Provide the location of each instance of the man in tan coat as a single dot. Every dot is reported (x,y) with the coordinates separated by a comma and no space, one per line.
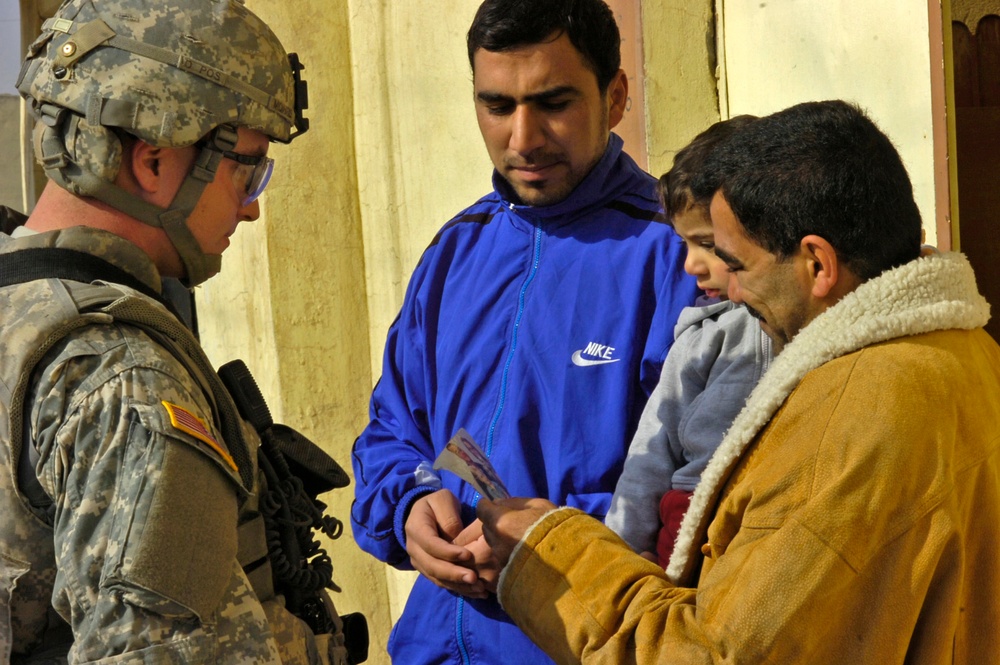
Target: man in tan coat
(852,513)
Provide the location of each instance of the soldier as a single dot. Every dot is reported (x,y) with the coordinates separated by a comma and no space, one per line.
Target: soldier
(130,483)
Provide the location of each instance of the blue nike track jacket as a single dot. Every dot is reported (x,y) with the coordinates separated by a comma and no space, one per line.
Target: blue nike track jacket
(541,331)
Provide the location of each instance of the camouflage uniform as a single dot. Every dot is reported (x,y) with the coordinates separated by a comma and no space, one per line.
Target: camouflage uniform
(146,549)
(141,557)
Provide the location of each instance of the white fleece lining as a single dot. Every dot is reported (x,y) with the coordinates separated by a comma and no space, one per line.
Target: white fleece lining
(932,293)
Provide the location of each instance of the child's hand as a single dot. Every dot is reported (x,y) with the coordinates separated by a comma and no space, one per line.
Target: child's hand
(649,556)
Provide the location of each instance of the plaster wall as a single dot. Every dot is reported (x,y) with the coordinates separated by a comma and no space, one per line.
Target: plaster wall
(291,299)
(420,158)
(779,53)
(680,75)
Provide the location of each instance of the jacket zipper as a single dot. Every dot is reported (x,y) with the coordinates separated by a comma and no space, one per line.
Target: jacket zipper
(537,251)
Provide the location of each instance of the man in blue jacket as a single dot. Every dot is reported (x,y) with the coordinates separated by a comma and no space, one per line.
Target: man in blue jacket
(538,320)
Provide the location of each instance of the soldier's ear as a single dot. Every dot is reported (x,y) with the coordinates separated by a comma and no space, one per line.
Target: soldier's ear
(156,174)
(145,166)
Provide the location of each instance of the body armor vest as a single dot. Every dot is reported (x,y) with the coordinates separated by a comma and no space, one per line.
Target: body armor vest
(27,561)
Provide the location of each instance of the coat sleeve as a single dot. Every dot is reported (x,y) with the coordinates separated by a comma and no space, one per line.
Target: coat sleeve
(392,457)
(579,592)
(134,489)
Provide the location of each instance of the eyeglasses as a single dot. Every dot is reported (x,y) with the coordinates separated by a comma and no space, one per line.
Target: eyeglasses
(252,174)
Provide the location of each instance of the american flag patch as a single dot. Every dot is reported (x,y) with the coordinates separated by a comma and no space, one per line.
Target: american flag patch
(189,423)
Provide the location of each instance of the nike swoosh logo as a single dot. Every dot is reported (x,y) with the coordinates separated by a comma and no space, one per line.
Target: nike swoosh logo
(580,361)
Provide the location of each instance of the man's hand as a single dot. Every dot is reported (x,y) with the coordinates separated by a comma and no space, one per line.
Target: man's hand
(505,521)
(433,525)
(486,565)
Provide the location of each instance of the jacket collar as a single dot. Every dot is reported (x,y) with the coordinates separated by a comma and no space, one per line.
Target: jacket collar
(104,245)
(932,293)
(600,186)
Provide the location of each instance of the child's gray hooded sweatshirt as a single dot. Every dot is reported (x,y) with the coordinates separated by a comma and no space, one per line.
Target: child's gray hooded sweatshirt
(719,355)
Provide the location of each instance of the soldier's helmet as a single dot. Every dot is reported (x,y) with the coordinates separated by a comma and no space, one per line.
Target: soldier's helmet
(170,72)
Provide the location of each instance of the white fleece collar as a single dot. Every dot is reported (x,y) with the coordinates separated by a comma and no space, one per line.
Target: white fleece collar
(936,292)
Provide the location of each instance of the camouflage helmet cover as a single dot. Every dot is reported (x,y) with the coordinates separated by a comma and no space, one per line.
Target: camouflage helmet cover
(170,72)
(165,71)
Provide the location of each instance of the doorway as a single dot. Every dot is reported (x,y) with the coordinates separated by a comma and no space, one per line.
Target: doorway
(976,46)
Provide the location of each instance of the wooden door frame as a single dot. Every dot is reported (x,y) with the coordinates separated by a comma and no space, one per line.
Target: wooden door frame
(943,125)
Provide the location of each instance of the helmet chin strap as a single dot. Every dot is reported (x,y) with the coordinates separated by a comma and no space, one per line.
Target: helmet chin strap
(198,266)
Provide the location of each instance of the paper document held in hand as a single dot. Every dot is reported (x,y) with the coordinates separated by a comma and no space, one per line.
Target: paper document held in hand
(463,457)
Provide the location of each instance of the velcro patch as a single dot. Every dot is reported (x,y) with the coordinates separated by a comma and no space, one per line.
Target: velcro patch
(191,424)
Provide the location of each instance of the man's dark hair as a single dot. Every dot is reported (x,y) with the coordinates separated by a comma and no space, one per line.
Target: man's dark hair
(820,168)
(502,25)
(674,186)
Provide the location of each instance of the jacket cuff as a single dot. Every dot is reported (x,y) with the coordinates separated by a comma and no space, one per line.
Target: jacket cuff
(403,511)
(535,533)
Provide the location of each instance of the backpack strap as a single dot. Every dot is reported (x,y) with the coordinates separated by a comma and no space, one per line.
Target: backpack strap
(28,265)
(65,264)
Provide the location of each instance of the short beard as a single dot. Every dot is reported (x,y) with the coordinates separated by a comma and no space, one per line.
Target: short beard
(754,313)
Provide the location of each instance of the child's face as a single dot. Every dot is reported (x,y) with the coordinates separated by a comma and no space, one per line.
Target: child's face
(694,226)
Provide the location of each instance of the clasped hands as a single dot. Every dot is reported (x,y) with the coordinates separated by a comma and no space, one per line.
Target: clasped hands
(467,559)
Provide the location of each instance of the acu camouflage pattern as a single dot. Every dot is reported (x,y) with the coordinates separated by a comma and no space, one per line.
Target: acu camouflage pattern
(142,559)
(225,67)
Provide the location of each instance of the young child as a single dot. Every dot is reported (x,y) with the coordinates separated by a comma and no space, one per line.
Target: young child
(719,354)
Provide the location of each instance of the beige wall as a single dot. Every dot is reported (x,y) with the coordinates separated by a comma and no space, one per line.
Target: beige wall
(680,72)
(420,158)
(873,53)
(292,300)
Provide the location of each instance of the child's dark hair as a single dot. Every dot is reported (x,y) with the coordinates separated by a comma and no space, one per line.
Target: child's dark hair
(674,187)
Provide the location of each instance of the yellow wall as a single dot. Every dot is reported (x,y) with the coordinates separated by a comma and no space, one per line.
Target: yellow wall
(873,53)
(681,91)
(420,158)
(291,300)
(10,144)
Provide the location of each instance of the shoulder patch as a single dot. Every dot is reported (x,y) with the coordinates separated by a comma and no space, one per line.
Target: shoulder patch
(191,424)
